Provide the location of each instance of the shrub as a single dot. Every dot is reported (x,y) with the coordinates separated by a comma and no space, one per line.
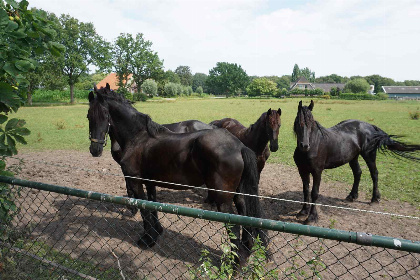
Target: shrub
(139,96)
(199,90)
(261,86)
(171,89)
(415,115)
(359,96)
(149,87)
(357,85)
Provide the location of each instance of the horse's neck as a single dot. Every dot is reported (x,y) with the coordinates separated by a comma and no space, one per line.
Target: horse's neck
(124,124)
(257,137)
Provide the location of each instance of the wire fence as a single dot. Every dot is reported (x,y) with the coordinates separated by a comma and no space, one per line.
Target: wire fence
(63,233)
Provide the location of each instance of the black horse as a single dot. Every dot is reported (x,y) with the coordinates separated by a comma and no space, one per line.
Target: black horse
(256,137)
(320,148)
(148,150)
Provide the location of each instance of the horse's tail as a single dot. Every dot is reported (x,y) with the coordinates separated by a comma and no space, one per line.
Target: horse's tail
(388,144)
(249,185)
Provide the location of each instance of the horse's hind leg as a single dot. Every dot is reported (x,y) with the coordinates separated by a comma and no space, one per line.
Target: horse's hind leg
(247,239)
(357,173)
(156,226)
(371,163)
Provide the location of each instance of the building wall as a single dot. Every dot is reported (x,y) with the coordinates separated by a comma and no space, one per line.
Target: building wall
(404,95)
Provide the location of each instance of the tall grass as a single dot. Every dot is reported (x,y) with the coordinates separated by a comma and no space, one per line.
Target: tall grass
(66,127)
(42,95)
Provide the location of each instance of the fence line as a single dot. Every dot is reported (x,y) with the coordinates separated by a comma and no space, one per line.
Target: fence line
(313,231)
(204,188)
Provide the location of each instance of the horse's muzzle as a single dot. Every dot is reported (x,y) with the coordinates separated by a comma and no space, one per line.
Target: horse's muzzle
(274,146)
(304,147)
(96,149)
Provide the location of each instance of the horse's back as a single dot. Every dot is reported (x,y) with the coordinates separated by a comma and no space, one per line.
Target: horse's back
(232,125)
(188,126)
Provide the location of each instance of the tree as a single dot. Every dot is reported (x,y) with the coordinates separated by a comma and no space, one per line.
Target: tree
(296,73)
(172,89)
(379,81)
(135,56)
(284,82)
(227,78)
(184,74)
(21,32)
(261,86)
(199,80)
(172,77)
(358,85)
(332,79)
(84,47)
(308,74)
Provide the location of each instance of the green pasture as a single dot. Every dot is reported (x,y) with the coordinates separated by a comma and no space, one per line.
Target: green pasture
(66,128)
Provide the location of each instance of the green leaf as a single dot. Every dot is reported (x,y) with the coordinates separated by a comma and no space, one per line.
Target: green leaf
(2,165)
(11,26)
(22,131)
(24,65)
(11,124)
(18,34)
(13,3)
(3,118)
(4,17)
(11,69)
(20,139)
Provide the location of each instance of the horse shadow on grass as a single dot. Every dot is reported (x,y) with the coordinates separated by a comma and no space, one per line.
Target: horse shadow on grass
(286,211)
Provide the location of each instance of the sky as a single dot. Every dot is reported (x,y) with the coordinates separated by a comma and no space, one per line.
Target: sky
(265,37)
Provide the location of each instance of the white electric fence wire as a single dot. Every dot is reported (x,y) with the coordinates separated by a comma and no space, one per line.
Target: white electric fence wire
(205,188)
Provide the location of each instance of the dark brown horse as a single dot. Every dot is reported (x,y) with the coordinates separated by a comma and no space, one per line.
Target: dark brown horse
(148,150)
(257,135)
(320,148)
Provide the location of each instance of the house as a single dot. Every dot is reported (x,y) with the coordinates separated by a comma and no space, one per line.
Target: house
(112,80)
(406,92)
(303,83)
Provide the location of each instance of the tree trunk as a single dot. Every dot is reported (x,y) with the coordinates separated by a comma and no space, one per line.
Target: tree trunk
(71,93)
(29,100)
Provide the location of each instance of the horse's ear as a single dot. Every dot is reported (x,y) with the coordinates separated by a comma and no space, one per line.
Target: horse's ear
(269,112)
(107,86)
(95,89)
(279,112)
(91,96)
(300,105)
(311,106)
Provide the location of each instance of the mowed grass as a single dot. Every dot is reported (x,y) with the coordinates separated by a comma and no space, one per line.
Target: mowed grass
(66,128)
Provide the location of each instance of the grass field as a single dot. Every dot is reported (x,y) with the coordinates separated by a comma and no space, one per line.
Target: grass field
(66,127)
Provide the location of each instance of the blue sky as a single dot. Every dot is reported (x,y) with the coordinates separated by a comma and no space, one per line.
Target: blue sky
(344,37)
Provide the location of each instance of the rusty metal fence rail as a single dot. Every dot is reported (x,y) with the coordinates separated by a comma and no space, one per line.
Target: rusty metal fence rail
(65,233)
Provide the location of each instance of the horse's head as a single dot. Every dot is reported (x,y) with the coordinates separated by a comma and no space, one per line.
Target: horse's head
(273,123)
(99,119)
(304,123)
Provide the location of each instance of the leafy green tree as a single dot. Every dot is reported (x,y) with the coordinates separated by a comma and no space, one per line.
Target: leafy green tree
(149,87)
(171,76)
(296,73)
(133,55)
(227,78)
(358,85)
(284,82)
(332,79)
(84,47)
(21,32)
(308,74)
(261,86)
(171,89)
(199,80)
(379,81)
(184,74)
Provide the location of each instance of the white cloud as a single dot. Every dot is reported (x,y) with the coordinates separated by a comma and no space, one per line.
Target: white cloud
(343,37)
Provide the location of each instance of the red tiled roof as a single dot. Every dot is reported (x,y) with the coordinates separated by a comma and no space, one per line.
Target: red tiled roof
(112,80)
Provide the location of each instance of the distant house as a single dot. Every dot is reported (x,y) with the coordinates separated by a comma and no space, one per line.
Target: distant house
(408,92)
(303,83)
(112,80)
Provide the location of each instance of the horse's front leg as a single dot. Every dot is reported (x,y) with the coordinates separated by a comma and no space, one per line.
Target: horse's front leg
(313,214)
(148,239)
(304,175)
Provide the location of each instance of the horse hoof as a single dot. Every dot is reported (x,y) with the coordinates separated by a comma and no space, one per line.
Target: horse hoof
(374,201)
(301,215)
(159,229)
(146,241)
(351,198)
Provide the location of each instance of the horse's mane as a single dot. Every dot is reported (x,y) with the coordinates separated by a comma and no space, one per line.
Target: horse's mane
(260,120)
(152,127)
